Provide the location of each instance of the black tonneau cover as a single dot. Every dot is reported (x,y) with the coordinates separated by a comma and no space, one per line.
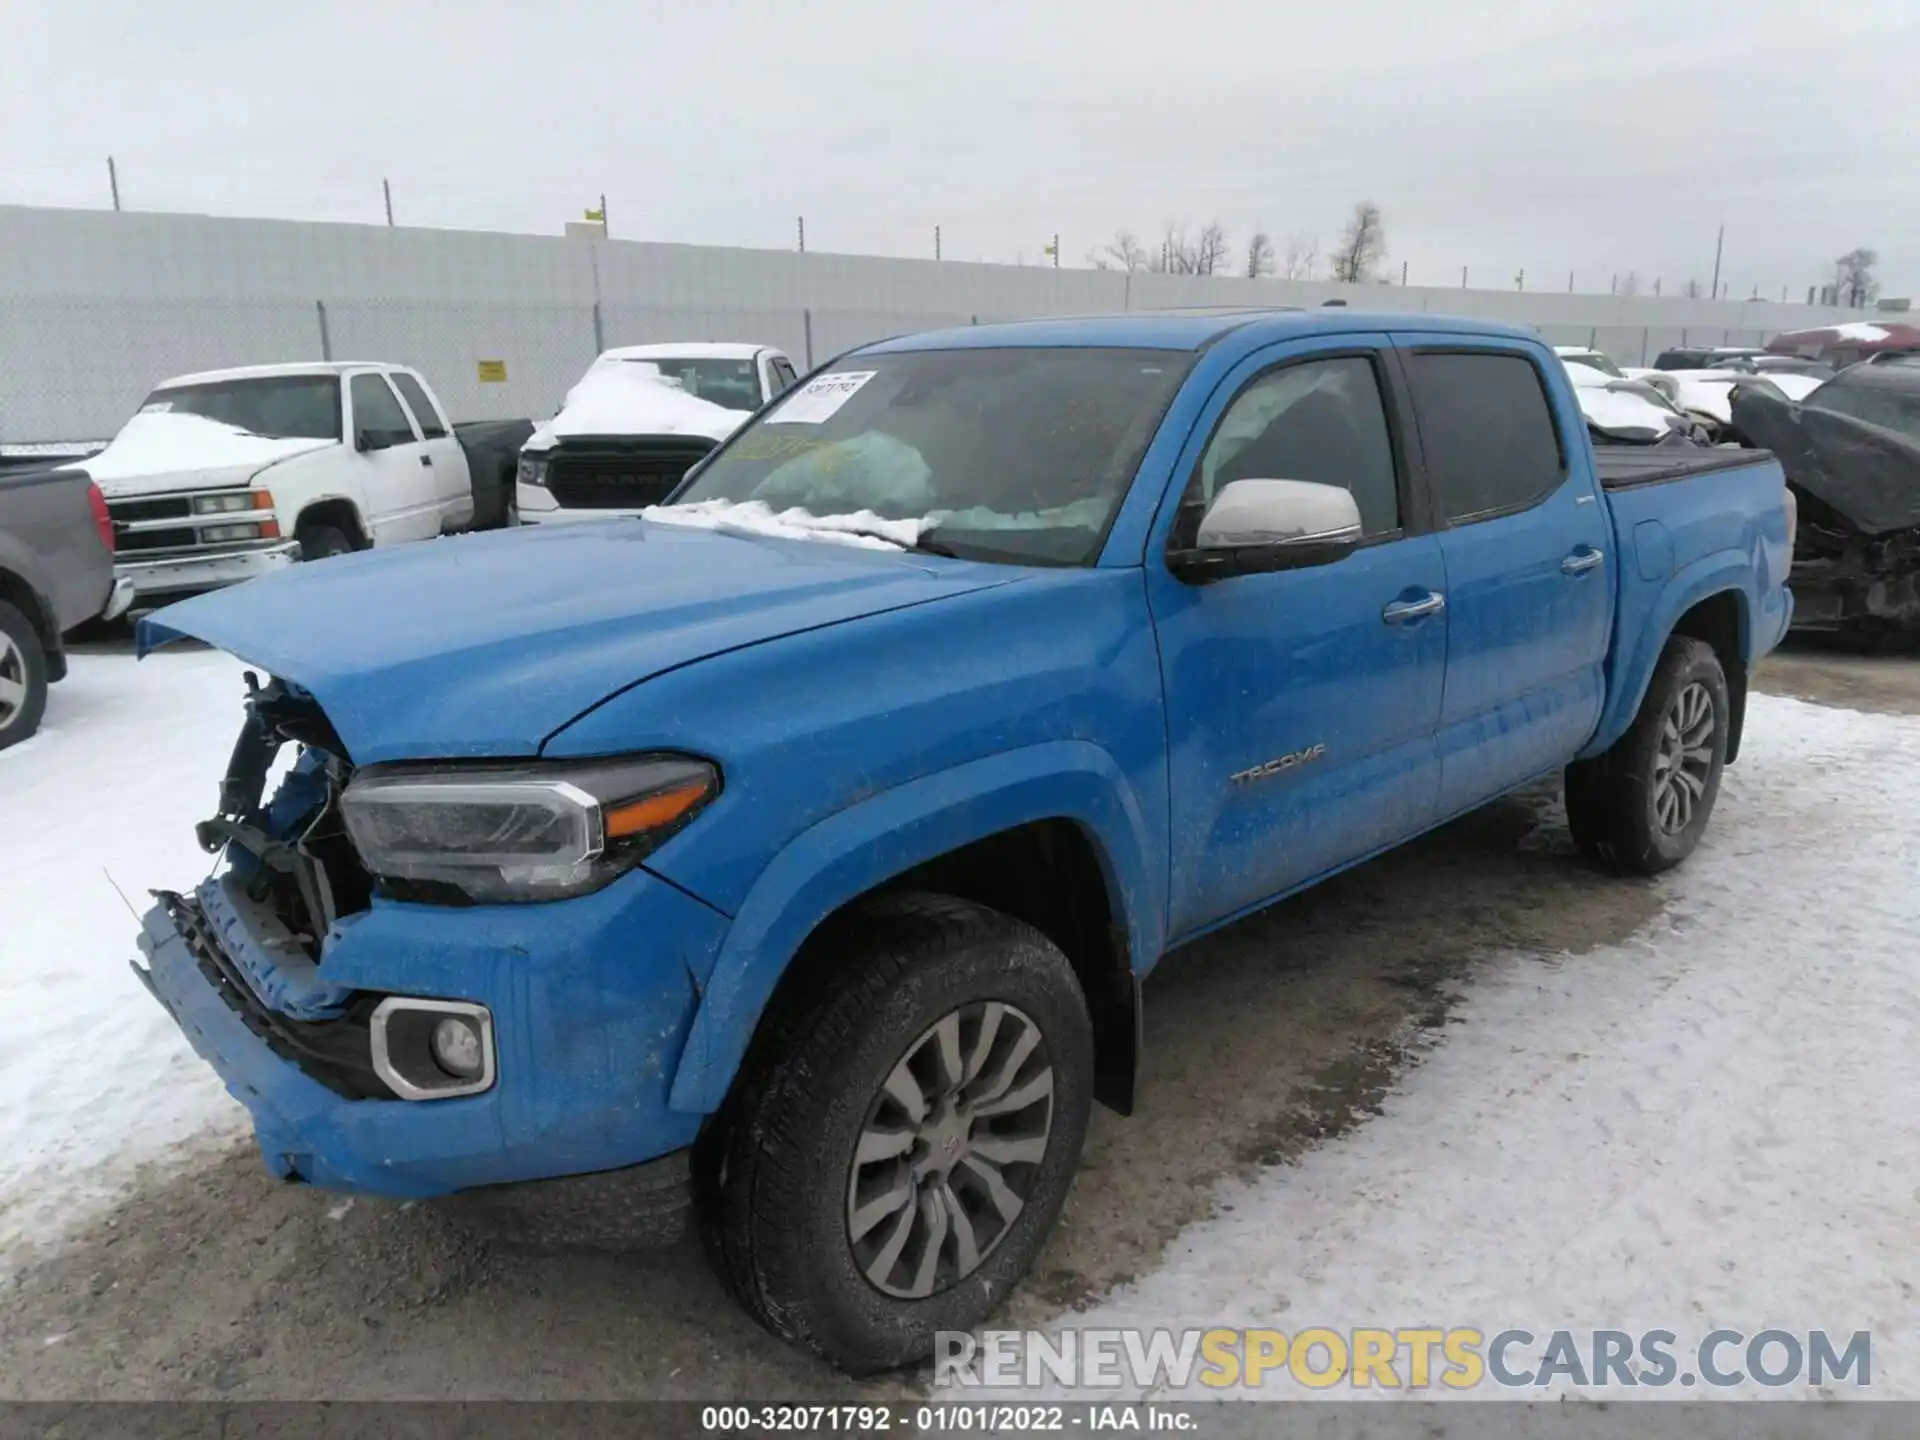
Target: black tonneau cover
(1623,468)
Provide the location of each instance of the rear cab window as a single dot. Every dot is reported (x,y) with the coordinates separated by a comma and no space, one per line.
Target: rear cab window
(415,394)
(377,414)
(1487,430)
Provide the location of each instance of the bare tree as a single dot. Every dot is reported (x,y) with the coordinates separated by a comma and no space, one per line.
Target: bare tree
(1125,251)
(1301,255)
(1362,245)
(1259,255)
(1853,277)
(1630,283)
(1212,251)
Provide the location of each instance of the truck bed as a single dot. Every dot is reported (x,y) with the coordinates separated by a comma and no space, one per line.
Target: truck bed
(1626,468)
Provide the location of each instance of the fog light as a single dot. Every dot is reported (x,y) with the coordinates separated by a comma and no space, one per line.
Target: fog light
(432,1049)
(457,1048)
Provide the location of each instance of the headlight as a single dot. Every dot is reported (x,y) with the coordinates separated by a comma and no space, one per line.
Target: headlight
(220,534)
(530,832)
(532,471)
(232,504)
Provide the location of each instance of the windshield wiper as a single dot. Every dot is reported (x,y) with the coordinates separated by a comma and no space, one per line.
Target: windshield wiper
(923,545)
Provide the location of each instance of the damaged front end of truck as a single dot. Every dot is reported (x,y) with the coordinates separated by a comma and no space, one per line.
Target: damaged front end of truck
(1856,559)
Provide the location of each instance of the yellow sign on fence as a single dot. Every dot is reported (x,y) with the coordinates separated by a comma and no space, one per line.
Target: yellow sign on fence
(493,372)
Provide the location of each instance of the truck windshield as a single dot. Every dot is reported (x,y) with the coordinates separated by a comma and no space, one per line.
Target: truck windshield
(279,407)
(729,383)
(1017,454)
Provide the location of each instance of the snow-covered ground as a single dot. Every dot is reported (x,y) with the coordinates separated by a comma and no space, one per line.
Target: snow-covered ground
(1710,1125)
(1717,1124)
(94,1078)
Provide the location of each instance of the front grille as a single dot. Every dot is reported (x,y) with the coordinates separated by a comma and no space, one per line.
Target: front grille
(130,541)
(624,476)
(337,1053)
(167,507)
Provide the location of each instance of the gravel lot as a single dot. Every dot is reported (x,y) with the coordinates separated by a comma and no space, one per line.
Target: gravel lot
(1263,1041)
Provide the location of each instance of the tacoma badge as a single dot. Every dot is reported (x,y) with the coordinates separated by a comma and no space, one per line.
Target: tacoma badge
(1276,767)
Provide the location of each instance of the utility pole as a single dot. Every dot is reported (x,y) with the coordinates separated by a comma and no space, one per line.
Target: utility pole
(1719,241)
(1463,277)
(1613,286)
(386,189)
(1056,249)
(803,234)
(936,242)
(1403,274)
(113,182)
(1569,282)
(1520,280)
(606,227)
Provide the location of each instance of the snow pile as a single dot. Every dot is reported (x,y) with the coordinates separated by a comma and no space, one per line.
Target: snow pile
(1859,330)
(160,442)
(1794,387)
(94,1076)
(633,398)
(1618,410)
(753,517)
(1710,1125)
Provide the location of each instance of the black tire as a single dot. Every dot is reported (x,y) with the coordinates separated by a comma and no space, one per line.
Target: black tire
(775,1172)
(319,542)
(1615,801)
(23,677)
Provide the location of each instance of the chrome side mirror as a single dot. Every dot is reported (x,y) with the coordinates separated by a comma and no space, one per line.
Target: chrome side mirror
(1255,526)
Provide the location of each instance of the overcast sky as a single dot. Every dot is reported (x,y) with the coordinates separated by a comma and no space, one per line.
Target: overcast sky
(1597,137)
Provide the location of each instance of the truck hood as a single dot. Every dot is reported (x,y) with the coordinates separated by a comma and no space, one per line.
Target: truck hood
(157,451)
(487,644)
(630,398)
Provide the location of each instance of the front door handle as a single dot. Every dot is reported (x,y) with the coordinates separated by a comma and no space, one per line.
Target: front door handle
(1582,560)
(1401,611)
(427,460)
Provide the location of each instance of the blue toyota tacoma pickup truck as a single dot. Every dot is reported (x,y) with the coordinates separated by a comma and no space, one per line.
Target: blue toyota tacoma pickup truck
(791,857)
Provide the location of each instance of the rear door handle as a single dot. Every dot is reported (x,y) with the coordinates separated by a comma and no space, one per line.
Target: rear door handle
(1401,611)
(1582,560)
(427,460)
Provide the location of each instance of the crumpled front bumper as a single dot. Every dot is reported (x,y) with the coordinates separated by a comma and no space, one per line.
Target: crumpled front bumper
(591,1000)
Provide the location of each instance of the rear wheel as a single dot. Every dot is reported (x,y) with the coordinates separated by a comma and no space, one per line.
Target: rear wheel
(900,1141)
(1642,807)
(318,542)
(23,677)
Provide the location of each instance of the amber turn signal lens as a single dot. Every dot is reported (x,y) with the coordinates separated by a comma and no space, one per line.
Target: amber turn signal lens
(636,817)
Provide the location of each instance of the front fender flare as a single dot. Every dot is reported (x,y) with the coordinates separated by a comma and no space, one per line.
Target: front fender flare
(1716,574)
(884,835)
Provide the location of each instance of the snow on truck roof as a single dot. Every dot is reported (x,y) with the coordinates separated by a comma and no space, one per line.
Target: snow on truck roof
(267,372)
(700,350)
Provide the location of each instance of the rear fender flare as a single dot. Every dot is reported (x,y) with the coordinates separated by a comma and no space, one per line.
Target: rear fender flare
(1720,573)
(854,850)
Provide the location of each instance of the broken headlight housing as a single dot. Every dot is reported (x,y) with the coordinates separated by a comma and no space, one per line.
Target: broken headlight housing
(463,834)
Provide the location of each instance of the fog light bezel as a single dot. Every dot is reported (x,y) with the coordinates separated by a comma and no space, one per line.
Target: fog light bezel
(440,1085)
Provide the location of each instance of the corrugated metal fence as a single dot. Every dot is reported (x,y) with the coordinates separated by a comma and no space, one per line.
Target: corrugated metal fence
(95,307)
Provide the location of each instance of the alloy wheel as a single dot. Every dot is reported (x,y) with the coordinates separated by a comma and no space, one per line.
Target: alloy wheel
(1683,761)
(950,1149)
(13,680)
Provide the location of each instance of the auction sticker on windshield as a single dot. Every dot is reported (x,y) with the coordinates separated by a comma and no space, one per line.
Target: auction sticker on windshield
(820,398)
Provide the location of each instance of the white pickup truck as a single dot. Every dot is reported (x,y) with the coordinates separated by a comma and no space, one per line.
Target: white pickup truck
(226,475)
(639,418)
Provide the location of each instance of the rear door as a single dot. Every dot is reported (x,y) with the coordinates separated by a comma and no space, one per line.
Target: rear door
(453,486)
(400,494)
(1301,705)
(1524,537)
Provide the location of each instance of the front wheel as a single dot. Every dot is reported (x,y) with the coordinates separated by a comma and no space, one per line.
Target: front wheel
(900,1141)
(1642,806)
(23,677)
(320,542)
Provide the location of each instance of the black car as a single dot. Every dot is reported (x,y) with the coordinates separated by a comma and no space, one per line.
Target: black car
(1702,357)
(1851,451)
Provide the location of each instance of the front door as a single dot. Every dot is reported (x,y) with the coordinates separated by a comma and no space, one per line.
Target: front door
(1301,705)
(401,493)
(1525,539)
